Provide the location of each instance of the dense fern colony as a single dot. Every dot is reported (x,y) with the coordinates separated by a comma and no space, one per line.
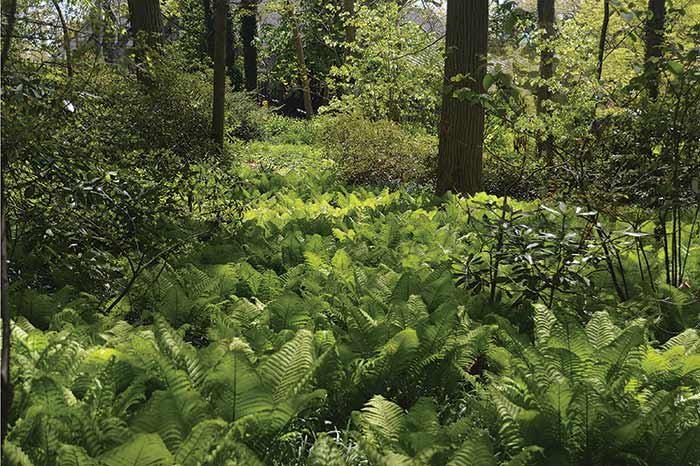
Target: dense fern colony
(361,327)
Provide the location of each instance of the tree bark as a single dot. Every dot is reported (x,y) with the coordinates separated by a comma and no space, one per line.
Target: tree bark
(249,29)
(350,31)
(220,13)
(301,62)
(6,390)
(545,22)
(603,37)
(462,122)
(9,10)
(654,38)
(146,24)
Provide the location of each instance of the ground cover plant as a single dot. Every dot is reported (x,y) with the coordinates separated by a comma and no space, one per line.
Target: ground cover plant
(349,233)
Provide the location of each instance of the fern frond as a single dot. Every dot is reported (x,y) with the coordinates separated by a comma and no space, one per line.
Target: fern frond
(384,418)
(13,455)
(199,442)
(71,455)
(474,452)
(140,450)
(600,330)
(285,370)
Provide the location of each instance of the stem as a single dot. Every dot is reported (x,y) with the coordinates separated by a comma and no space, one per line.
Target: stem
(603,35)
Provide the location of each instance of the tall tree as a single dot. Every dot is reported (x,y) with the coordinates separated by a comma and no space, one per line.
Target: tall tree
(9,10)
(301,62)
(349,10)
(249,30)
(462,122)
(654,38)
(545,22)
(146,30)
(220,13)
(146,22)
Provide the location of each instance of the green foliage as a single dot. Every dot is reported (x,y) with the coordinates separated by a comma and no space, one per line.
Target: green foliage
(378,152)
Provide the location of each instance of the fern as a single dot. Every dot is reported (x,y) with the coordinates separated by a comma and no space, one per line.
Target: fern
(384,418)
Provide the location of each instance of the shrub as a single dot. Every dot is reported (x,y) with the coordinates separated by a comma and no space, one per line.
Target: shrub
(377,152)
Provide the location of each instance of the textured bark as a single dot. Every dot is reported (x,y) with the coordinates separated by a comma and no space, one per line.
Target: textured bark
(6,390)
(462,122)
(249,30)
(603,37)
(654,38)
(301,62)
(220,13)
(9,10)
(146,22)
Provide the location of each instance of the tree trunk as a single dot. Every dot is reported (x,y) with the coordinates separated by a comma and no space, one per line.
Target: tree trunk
(6,390)
(109,33)
(220,13)
(545,22)
(66,38)
(249,29)
(462,122)
(146,25)
(303,72)
(654,38)
(350,31)
(603,37)
(9,10)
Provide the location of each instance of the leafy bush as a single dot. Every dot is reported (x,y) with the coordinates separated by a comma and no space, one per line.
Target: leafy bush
(377,152)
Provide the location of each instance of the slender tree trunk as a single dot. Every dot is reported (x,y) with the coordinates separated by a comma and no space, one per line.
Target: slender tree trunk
(109,34)
(9,10)
(654,38)
(303,71)
(6,390)
(66,38)
(462,122)
(220,13)
(249,29)
(350,31)
(545,21)
(603,38)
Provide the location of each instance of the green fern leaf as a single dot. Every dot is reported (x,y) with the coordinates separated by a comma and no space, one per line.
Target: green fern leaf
(384,418)
(199,442)
(13,455)
(141,450)
(285,370)
(474,452)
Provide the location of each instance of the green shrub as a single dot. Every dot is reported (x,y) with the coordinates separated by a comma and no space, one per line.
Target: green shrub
(377,152)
